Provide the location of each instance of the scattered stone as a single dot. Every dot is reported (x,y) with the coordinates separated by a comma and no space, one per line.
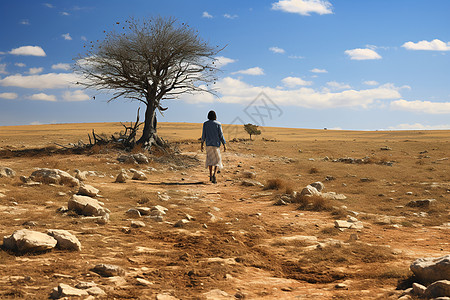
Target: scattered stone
(107,270)
(83,285)
(342,224)
(133,213)
(95,291)
(383,220)
(341,286)
(426,203)
(30,224)
(309,191)
(140,158)
(82,176)
(138,175)
(418,289)
(53,176)
(64,290)
(141,281)
(165,297)
(318,185)
(181,223)
(409,193)
(7,172)
(86,206)
(365,179)
(122,177)
(163,197)
(428,270)
(137,224)
(65,239)
(330,178)
(250,182)
(189,217)
(439,288)
(248,174)
(217,294)
(280,202)
(87,190)
(144,211)
(386,148)
(25,240)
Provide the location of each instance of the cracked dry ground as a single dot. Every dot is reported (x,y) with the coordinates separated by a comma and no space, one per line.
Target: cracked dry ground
(240,244)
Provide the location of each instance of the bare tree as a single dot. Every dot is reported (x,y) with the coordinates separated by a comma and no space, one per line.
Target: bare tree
(149,61)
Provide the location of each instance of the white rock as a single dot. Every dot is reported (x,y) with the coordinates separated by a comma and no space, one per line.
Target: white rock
(318,185)
(65,239)
(137,224)
(342,224)
(64,290)
(138,175)
(133,213)
(181,223)
(165,297)
(309,191)
(418,289)
(7,172)
(54,176)
(107,270)
(25,240)
(87,190)
(87,206)
(429,270)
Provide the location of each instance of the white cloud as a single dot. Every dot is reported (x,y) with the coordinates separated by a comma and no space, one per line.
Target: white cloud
(277,50)
(295,81)
(251,71)
(25,22)
(44,81)
(338,85)
(28,50)
(371,82)
(222,61)
(418,106)
(315,70)
(20,65)
(207,15)
(8,96)
(61,66)
(42,97)
(434,45)
(66,36)
(64,13)
(236,91)
(228,16)
(83,38)
(304,7)
(296,57)
(48,5)
(3,69)
(77,95)
(418,126)
(362,54)
(33,71)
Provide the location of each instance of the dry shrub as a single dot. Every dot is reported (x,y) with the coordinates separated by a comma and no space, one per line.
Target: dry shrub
(274,184)
(333,231)
(289,190)
(313,170)
(314,203)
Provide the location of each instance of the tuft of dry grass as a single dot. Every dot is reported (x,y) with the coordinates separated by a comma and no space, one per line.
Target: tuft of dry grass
(274,184)
(314,203)
(313,170)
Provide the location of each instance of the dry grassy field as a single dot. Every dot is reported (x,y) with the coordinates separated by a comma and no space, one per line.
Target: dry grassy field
(237,243)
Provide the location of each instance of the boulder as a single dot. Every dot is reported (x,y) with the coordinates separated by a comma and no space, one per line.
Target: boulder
(80,175)
(107,270)
(138,175)
(425,203)
(428,270)
(440,288)
(418,289)
(87,190)
(86,206)
(65,239)
(343,224)
(25,240)
(122,177)
(7,172)
(54,176)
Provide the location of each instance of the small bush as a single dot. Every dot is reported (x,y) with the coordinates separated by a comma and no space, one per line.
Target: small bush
(313,170)
(274,184)
(314,203)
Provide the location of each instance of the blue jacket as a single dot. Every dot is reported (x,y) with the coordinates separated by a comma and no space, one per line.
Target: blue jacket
(212,133)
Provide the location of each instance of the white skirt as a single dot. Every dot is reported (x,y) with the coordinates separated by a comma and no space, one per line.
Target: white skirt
(213,157)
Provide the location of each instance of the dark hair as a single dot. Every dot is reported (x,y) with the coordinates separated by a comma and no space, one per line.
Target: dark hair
(212,115)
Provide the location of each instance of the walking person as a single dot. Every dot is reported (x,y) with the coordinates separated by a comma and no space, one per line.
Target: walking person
(212,135)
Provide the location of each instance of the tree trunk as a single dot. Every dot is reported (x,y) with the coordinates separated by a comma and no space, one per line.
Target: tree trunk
(149,136)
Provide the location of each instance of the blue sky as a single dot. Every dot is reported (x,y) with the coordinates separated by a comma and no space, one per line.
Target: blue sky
(337,64)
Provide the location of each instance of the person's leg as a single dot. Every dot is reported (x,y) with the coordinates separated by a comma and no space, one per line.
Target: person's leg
(210,173)
(214,175)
